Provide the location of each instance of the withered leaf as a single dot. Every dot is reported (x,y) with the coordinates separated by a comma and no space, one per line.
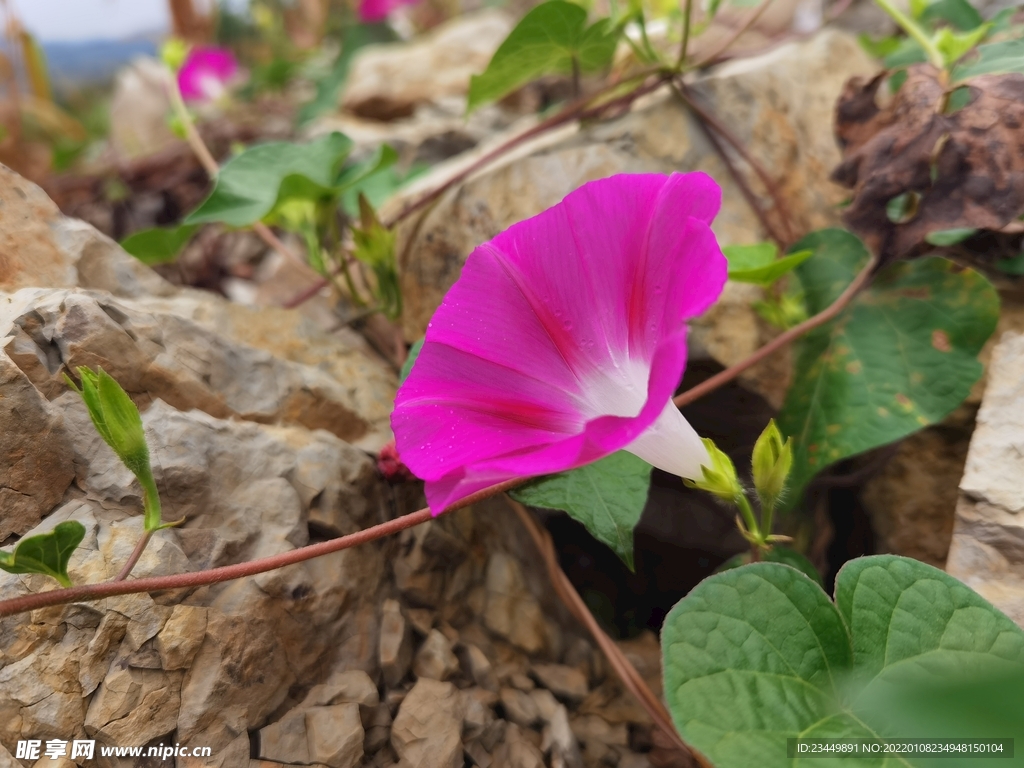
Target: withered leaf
(962,167)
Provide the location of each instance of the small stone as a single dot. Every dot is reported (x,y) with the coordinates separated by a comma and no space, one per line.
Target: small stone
(522,682)
(477,713)
(427,732)
(477,666)
(352,686)
(590,728)
(512,611)
(377,737)
(493,734)
(477,755)
(566,683)
(395,644)
(560,742)
(335,735)
(179,640)
(519,707)
(378,716)
(547,705)
(518,751)
(435,659)
(422,619)
(285,741)
(634,760)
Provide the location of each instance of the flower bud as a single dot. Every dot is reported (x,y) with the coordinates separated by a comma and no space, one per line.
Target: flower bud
(720,478)
(173,53)
(771,460)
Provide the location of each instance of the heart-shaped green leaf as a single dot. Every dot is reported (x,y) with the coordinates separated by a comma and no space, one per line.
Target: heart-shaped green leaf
(607,496)
(47,553)
(758,655)
(251,183)
(902,356)
(550,39)
(159,245)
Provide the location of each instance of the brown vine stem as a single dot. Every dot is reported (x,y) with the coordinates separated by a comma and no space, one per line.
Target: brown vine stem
(632,679)
(89,592)
(748,22)
(713,123)
(140,547)
(830,312)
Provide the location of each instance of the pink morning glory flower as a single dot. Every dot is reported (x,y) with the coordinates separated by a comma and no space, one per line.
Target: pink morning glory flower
(564,340)
(206,73)
(378,10)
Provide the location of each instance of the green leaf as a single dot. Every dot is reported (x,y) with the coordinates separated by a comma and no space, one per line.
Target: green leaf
(252,183)
(954,45)
(756,655)
(546,41)
(960,13)
(881,47)
(1014,266)
(410,360)
(369,177)
(757,264)
(949,236)
(329,87)
(902,356)
(47,553)
(607,496)
(908,52)
(159,245)
(993,58)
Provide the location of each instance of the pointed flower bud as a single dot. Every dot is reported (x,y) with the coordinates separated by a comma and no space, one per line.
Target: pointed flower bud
(119,423)
(720,476)
(173,53)
(772,459)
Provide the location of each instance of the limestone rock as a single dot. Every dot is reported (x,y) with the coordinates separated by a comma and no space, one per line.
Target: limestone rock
(395,643)
(134,706)
(767,101)
(519,707)
(477,666)
(351,686)
(335,735)
(987,551)
(427,731)
(560,741)
(388,81)
(512,611)
(565,682)
(518,751)
(285,741)
(139,108)
(179,640)
(435,659)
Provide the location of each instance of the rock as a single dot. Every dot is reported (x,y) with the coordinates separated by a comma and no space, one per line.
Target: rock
(395,643)
(477,666)
(987,550)
(518,751)
(560,742)
(779,122)
(522,682)
(519,707)
(179,640)
(546,703)
(35,466)
(345,687)
(591,728)
(565,682)
(138,110)
(512,611)
(477,714)
(134,706)
(427,731)
(335,735)
(286,741)
(435,659)
(388,81)
(477,755)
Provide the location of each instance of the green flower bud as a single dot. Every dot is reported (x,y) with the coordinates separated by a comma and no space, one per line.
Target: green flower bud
(173,53)
(771,460)
(720,478)
(118,422)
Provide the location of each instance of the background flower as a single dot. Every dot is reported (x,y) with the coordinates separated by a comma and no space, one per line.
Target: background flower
(378,10)
(206,73)
(564,339)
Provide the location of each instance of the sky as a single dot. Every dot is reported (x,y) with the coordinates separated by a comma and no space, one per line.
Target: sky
(71,20)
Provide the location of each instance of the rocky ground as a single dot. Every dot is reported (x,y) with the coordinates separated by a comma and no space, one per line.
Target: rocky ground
(445,646)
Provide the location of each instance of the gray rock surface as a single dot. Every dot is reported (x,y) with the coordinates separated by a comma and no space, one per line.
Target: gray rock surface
(987,551)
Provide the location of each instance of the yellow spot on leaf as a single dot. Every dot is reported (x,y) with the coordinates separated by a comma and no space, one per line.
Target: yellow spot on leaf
(854,367)
(940,340)
(833,428)
(883,411)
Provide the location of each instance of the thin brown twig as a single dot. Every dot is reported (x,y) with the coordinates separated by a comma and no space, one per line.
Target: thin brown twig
(629,675)
(782,340)
(747,23)
(762,173)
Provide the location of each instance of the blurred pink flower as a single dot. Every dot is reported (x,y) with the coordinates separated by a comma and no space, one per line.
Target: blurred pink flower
(564,340)
(206,73)
(378,10)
